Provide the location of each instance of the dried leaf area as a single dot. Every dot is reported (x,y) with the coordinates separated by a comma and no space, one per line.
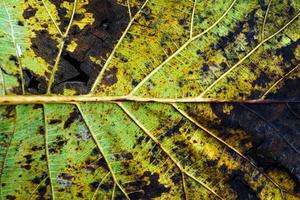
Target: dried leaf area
(150,99)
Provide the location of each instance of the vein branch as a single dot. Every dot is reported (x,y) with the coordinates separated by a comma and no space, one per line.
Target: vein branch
(192,19)
(265,21)
(47,152)
(129,10)
(62,44)
(52,18)
(101,151)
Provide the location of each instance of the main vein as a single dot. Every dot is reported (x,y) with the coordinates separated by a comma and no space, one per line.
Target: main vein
(49,99)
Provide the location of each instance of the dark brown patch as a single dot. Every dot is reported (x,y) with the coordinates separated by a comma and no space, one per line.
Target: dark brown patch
(44,46)
(110,77)
(14,59)
(55,121)
(9,111)
(73,116)
(154,188)
(11,197)
(175,129)
(262,80)
(34,84)
(29,12)
(57,146)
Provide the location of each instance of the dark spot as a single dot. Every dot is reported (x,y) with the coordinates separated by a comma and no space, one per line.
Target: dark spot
(41,130)
(288,53)
(134,82)
(272,130)
(212,163)
(9,111)
(58,144)
(127,156)
(11,197)
(205,67)
(73,116)
(136,194)
(33,83)
(27,166)
(37,106)
(44,46)
(110,77)
(29,12)
(182,21)
(42,190)
(28,159)
(263,5)
(102,163)
(106,186)
(175,129)
(20,23)
(176,178)
(55,121)
(62,12)
(140,139)
(262,80)
(289,91)
(39,179)
(14,59)
(223,65)
(223,169)
(154,188)
(66,176)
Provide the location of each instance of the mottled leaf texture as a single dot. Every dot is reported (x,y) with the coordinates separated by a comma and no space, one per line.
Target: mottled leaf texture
(150,99)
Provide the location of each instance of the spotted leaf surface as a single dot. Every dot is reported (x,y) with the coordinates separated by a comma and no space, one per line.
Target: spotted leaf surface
(149,99)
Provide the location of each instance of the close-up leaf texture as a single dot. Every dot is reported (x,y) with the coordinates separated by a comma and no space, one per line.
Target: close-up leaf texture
(150,99)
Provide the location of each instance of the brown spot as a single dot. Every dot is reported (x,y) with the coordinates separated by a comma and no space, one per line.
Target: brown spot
(27,167)
(73,116)
(34,84)
(110,77)
(55,121)
(9,111)
(175,129)
(154,188)
(11,197)
(44,46)
(29,12)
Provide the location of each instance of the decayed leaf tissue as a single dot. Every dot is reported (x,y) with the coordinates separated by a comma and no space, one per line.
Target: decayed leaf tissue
(150,99)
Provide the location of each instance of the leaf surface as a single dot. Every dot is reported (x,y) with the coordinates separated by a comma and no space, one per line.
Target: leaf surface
(133,99)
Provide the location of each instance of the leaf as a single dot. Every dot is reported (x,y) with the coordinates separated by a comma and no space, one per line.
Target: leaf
(133,99)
